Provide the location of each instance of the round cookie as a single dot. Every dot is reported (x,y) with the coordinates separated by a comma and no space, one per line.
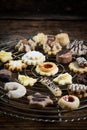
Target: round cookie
(47,68)
(73,66)
(69,102)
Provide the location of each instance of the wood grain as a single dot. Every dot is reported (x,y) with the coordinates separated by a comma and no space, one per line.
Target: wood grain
(17,29)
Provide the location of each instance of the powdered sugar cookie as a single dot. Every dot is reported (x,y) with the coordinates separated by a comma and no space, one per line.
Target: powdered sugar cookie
(15,65)
(26,80)
(63,79)
(5,56)
(33,58)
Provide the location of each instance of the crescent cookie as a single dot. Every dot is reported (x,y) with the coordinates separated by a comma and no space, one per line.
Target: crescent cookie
(26,80)
(5,56)
(33,58)
(15,90)
(47,69)
(15,65)
(73,66)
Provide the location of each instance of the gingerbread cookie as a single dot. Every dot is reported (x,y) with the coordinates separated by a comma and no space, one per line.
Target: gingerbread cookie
(39,100)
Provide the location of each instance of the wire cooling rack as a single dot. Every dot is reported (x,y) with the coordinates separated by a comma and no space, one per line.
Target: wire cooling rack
(19,108)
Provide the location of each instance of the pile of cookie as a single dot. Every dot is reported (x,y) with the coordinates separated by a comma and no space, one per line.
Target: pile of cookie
(72,55)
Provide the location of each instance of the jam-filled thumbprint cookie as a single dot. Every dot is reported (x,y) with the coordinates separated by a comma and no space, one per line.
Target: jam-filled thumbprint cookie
(47,68)
(69,102)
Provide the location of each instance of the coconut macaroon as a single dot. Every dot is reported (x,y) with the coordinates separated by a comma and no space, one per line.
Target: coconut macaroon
(5,56)
(33,58)
(63,79)
(47,68)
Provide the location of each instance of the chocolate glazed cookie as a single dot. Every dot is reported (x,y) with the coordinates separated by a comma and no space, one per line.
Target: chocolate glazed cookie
(78,90)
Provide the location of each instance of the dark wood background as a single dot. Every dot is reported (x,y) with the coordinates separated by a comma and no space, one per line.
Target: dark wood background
(24,18)
(58,9)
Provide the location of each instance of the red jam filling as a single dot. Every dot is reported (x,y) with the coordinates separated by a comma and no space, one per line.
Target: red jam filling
(48,66)
(69,99)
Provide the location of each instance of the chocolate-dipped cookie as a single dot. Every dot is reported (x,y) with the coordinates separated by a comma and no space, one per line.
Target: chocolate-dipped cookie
(64,57)
(78,90)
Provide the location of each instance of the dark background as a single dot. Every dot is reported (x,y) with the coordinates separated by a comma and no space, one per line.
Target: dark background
(27,8)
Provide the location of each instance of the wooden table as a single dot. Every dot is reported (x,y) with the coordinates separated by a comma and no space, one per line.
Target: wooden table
(17,29)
